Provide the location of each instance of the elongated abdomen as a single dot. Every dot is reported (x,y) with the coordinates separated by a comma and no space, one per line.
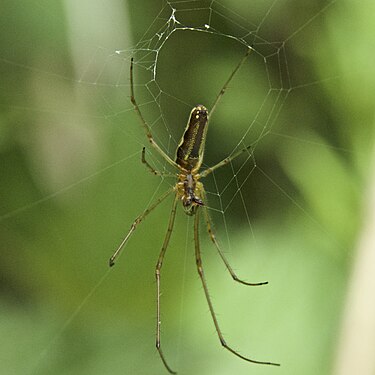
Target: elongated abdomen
(191,148)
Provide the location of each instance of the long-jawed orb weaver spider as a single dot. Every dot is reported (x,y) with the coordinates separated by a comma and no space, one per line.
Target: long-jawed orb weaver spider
(190,191)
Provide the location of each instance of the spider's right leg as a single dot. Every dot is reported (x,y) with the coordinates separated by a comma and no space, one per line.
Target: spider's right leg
(135,224)
(144,123)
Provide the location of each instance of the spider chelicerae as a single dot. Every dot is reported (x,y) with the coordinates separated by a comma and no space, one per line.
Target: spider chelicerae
(190,191)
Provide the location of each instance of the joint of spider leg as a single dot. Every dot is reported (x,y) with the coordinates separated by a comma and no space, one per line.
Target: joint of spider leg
(223,343)
(211,234)
(200,271)
(137,221)
(199,266)
(157,270)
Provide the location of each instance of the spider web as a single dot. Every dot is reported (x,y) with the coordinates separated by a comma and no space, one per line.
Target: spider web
(87,184)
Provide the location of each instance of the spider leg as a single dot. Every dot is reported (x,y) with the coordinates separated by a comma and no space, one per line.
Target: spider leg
(151,169)
(225,86)
(224,259)
(205,288)
(144,123)
(157,275)
(135,224)
(225,161)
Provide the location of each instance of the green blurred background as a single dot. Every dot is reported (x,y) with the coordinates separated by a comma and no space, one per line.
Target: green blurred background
(72,183)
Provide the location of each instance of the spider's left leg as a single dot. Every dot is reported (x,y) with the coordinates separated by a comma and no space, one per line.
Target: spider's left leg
(144,123)
(205,288)
(222,256)
(136,222)
(227,160)
(153,170)
(157,275)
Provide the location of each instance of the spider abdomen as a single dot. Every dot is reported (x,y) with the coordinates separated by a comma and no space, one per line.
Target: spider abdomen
(191,148)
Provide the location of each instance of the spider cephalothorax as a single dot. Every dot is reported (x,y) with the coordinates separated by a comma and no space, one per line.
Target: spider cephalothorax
(190,189)
(189,155)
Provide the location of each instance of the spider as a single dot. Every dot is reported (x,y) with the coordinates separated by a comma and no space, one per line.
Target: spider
(190,191)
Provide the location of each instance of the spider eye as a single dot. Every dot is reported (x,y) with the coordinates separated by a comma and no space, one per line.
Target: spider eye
(201,111)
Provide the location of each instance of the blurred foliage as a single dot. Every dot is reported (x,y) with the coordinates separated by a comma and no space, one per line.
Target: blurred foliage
(72,183)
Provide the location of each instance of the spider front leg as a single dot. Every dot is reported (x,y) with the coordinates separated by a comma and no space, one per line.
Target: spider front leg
(226,84)
(144,123)
(208,298)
